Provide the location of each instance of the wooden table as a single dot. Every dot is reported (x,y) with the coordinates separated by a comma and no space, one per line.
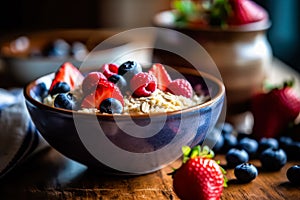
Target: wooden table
(49,175)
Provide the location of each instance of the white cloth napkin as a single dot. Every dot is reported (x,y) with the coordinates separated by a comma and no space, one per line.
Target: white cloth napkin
(18,135)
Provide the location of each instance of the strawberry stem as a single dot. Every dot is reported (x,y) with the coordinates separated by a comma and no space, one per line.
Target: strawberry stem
(188,153)
(287,83)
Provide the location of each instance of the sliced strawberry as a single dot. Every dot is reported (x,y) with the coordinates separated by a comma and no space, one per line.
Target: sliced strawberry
(90,82)
(104,90)
(274,111)
(69,74)
(246,11)
(162,76)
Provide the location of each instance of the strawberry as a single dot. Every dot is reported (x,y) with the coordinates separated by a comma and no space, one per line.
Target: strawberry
(245,11)
(274,111)
(69,74)
(104,90)
(199,177)
(90,82)
(162,76)
(180,87)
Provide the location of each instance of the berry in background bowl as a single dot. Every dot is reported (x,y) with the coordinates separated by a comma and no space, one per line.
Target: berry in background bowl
(34,54)
(126,142)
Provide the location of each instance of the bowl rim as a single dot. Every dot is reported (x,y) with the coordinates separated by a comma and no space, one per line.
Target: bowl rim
(220,94)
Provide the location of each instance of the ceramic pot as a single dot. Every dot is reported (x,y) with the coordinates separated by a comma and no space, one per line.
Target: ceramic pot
(242,54)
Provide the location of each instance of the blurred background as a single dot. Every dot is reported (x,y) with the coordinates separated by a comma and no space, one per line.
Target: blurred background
(23,15)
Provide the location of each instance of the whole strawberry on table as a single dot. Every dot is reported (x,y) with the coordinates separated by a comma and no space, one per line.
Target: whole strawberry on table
(200,176)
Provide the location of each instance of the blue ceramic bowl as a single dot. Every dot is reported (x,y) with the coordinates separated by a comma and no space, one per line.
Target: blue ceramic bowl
(124,144)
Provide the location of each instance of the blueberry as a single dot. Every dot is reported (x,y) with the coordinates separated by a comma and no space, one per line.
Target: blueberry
(120,82)
(273,159)
(235,157)
(245,172)
(58,48)
(230,141)
(284,141)
(65,100)
(293,174)
(129,69)
(249,145)
(111,106)
(242,135)
(293,150)
(60,87)
(79,50)
(266,143)
(226,127)
(39,92)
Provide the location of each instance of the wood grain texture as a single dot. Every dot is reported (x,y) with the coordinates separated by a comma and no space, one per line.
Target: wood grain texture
(49,175)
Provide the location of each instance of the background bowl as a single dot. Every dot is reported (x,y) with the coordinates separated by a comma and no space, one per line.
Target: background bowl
(242,54)
(112,148)
(24,60)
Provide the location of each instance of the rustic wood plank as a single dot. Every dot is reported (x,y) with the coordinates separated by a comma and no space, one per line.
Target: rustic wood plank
(49,175)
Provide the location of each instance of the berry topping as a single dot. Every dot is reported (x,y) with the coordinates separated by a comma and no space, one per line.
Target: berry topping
(60,87)
(293,174)
(245,172)
(180,87)
(129,69)
(104,90)
(64,100)
(273,159)
(161,75)
(199,177)
(119,81)
(109,69)
(235,157)
(69,74)
(90,82)
(143,84)
(111,106)
(57,48)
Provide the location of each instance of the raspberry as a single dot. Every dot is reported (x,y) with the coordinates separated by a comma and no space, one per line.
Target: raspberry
(109,69)
(90,82)
(143,84)
(180,87)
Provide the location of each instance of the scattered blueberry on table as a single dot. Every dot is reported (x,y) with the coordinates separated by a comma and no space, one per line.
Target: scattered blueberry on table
(245,172)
